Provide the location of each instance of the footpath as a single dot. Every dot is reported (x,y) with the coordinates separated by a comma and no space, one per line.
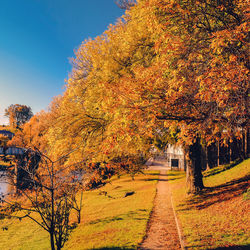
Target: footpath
(162,231)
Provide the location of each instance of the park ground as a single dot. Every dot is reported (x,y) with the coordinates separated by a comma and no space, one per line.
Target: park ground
(218,217)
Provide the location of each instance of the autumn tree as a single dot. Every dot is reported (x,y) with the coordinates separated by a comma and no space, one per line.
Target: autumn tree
(84,113)
(34,133)
(202,72)
(177,65)
(18,114)
(3,140)
(198,79)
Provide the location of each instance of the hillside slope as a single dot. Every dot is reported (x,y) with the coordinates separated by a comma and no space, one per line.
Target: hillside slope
(219,217)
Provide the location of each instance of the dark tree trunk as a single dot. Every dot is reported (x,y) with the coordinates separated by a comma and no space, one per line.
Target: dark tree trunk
(230,152)
(16,178)
(194,167)
(240,148)
(52,241)
(59,243)
(218,153)
(206,158)
(80,208)
(245,143)
(78,216)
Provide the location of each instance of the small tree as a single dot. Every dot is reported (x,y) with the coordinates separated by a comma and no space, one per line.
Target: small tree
(50,193)
(18,114)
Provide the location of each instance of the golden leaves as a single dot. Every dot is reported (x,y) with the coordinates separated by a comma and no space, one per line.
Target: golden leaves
(164,59)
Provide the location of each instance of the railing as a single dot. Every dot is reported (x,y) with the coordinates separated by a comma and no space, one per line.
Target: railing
(12,151)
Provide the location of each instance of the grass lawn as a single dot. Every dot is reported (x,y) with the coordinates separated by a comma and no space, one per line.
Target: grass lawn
(111,221)
(3,163)
(219,217)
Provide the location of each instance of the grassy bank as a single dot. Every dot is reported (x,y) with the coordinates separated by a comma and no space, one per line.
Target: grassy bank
(109,221)
(219,217)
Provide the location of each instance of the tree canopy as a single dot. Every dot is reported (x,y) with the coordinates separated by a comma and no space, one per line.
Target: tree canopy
(167,65)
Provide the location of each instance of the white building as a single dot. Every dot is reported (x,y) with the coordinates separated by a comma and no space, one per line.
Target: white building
(175,157)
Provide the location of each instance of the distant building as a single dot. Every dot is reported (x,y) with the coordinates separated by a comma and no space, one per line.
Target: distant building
(7,133)
(175,157)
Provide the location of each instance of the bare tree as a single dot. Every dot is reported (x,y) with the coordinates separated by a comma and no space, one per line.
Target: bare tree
(50,192)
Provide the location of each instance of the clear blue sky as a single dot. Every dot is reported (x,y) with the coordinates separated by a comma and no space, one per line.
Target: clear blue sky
(36,41)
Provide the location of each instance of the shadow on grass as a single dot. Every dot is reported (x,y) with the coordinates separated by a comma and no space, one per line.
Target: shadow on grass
(154,174)
(151,173)
(218,193)
(173,176)
(176,178)
(153,179)
(245,247)
(113,248)
(138,214)
(175,173)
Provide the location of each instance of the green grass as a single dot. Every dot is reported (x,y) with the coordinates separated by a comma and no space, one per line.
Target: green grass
(110,221)
(220,169)
(218,217)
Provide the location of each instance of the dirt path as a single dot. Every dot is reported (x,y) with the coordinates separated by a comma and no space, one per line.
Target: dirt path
(162,230)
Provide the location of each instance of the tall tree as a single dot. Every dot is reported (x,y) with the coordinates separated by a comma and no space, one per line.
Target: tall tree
(167,65)
(199,79)
(18,114)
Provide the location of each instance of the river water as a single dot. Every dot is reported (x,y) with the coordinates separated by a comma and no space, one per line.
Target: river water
(4,185)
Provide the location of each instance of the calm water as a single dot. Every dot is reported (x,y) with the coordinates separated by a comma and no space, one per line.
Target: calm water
(4,186)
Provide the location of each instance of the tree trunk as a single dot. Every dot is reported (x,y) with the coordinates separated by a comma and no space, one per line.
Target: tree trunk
(59,243)
(78,216)
(218,153)
(52,226)
(52,241)
(239,148)
(194,167)
(230,152)
(206,158)
(80,208)
(246,142)
(16,177)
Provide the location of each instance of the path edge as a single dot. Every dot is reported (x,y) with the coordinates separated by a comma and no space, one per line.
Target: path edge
(150,216)
(181,237)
